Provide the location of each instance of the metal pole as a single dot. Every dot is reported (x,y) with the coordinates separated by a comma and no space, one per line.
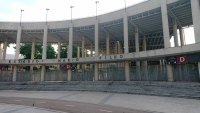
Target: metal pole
(96,8)
(46,15)
(125,4)
(21,16)
(71,12)
(71,15)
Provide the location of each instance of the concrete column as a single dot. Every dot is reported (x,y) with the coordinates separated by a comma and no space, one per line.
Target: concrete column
(44,51)
(91,49)
(78,56)
(107,45)
(165,23)
(161,62)
(85,56)
(91,54)
(115,47)
(1,50)
(32,52)
(118,51)
(196,17)
(83,47)
(96,38)
(182,36)
(5,48)
(58,56)
(137,49)
(144,48)
(70,49)
(118,47)
(127,70)
(175,32)
(96,71)
(83,50)
(116,64)
(199,70)
(58,66)
(122,63)
(161,65)
(96,65)
(125,20)
(144,63)
(78,52)
(166,34)
(170,73)
(19,31)
(44,46)
(126,46)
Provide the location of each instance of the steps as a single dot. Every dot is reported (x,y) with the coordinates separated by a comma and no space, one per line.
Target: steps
(170,89)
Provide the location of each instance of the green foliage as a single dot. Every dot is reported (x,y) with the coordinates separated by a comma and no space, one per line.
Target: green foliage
(51,54)
(25,50)
(75,50)
(63,51)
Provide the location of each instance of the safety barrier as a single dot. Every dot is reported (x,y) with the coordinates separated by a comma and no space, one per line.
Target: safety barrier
(184,72)
(6,76)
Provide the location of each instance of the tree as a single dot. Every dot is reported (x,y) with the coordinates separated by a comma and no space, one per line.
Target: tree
(64,48)
(51,54)
(25,50)
(63,51)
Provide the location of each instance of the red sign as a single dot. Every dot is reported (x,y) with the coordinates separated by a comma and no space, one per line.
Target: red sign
(182,59)
(68,66)
(0,67)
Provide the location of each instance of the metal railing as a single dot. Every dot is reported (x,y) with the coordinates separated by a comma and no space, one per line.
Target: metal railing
(83,75)
(184,72)
(6,76)
(28,76)
(111,74)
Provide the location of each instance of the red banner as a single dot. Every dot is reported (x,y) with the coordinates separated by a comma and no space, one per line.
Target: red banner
(182,59)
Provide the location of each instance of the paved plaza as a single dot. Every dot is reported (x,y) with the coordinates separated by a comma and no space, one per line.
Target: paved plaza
(136,102)
(7,108)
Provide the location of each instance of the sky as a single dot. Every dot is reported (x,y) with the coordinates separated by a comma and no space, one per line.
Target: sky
(35,10)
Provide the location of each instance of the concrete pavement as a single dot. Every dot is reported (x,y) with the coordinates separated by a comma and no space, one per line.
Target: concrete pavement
(12,108)
(136,102)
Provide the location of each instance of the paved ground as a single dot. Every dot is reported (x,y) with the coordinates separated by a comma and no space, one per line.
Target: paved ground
(136,102)
(12,108)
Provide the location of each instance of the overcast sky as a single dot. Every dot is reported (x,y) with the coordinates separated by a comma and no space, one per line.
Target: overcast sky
(35,10)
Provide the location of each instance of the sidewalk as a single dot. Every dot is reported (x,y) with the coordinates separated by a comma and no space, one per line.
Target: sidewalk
(137,102)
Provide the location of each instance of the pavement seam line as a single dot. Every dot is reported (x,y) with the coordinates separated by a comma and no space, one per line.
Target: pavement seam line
(60,98)
(103,101)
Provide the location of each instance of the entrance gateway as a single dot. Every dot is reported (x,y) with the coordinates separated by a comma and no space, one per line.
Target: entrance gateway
(127,45)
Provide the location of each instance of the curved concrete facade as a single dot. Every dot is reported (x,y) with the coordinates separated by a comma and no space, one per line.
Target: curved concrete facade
(117,15)
(140,33)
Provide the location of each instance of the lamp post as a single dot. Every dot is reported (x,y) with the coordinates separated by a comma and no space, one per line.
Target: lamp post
(125,4)
(96,8)
(71,12)
(21,16)
(46,14)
